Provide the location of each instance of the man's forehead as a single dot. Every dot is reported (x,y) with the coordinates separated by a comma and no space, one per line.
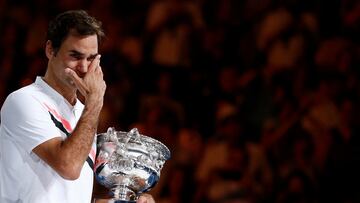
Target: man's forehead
(84,45)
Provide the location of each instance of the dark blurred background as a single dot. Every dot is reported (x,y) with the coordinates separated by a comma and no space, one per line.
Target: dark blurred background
(258,100)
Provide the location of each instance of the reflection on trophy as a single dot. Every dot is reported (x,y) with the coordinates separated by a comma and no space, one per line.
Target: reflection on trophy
(128,163)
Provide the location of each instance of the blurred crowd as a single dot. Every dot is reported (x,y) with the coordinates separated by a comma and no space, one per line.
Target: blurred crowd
(258,100)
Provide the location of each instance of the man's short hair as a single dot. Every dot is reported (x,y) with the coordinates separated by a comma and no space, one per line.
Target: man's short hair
(77,22)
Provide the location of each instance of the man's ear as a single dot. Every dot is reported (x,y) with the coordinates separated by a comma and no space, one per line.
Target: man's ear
(49,50)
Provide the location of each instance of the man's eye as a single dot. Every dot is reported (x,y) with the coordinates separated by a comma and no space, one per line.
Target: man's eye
(91,58)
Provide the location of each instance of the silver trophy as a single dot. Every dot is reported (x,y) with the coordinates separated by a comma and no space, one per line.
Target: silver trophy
(128,163)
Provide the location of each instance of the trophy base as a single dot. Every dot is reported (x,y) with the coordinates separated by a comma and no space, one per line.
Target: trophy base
(122,194)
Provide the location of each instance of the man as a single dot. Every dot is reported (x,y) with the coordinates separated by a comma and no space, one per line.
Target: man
(47,136)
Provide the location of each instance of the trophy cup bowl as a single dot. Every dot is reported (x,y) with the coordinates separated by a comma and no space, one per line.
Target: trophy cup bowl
(128,163)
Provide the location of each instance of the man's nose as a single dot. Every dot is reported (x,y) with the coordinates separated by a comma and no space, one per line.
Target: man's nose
(83,66)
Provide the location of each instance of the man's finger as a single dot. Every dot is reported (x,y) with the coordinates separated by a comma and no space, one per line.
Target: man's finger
(94,63)
(77,81)
(73,76)
(145,198)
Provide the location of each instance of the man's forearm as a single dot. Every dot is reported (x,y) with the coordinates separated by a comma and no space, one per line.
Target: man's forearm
(76,148)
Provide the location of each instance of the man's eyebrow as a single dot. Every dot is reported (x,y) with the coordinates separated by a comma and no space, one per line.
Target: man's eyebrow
(76,52)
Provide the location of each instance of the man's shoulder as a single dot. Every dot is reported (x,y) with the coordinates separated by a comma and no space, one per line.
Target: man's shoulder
(27,97)
(24,105)
(27,93)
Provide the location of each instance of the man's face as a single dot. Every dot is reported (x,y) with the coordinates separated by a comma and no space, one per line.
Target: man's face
(76,53)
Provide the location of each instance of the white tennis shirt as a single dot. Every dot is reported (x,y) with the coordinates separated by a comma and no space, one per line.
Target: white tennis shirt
(30,116)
